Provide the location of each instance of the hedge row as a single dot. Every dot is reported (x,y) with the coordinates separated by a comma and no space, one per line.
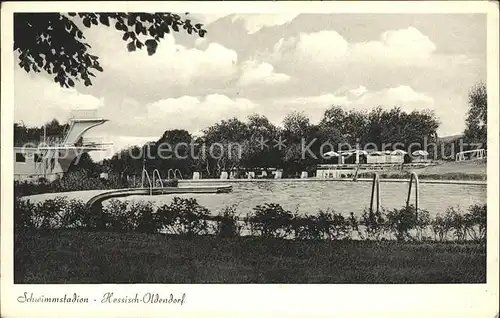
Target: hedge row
(184,216)
(74,181)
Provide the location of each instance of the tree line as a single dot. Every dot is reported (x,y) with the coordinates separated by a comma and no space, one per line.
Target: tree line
(255,142)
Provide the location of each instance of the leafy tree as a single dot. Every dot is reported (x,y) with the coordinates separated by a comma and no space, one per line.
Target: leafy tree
(476,121)
(172,151)
(346,126)
(227,143)
(262,135)
(23,134)
(52,42)
(296,125)
(296,129)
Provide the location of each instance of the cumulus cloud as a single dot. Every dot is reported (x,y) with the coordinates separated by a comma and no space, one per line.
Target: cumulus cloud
(402,96)
(357,92)
(119,143)
(37,99)
(191,112)
(326,48)
(255,22)
(254,72)
(172,66)
(176,64)
(407,44)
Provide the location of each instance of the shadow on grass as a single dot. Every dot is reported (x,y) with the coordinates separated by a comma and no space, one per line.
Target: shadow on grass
(76,257)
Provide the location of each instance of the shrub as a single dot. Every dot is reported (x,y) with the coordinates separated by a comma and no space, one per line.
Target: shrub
(122,216)
(331,225)
(271,220)
(118,216)
(184,216)
(353,225)
(227,223)
(456,220)
(423,223)
(49,213)
(24,213)
(144,218)
(304,227)
(440,227)
(74,214)
(374,225)
(402,222)
(475,222)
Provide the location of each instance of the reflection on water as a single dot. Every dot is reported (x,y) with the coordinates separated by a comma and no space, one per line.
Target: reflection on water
(309,197)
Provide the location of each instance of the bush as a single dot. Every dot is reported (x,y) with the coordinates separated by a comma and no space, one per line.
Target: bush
(187,217)
(441,227)
(475,222)
(456,220)
(118,216)
(271,220)
(402,222)
(145,218)
(423,223)
(374,225)
(305,227)
(74,215)
(353,224)
(227,223)
(24,213)
(331,225)
(184,216)
(49,213)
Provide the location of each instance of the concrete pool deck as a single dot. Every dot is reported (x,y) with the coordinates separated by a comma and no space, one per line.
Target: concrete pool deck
(462,182)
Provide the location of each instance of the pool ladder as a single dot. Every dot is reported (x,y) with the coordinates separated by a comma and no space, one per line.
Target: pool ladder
(375,186)
(376,191)
(174,174)
(413,179)
(152,183)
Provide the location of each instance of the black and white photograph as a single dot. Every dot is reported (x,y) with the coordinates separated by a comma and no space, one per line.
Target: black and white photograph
(194,148)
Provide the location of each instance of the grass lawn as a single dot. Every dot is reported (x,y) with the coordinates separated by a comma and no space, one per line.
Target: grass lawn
(475,167)
(66,256)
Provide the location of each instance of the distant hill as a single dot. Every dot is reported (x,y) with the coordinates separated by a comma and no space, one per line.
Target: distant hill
(450,138)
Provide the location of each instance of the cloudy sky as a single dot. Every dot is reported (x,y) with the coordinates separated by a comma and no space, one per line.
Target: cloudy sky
(270,64)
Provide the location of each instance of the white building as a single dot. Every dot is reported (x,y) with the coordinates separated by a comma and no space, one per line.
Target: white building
(50,160)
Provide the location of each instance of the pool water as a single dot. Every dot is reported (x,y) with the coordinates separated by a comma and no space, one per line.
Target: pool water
(310,197)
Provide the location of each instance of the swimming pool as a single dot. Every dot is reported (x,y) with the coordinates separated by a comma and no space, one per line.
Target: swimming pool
(310,197)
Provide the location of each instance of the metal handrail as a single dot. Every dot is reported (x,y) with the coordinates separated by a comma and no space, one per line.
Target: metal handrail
(413,177)
(375,186)
(83,113)
(145,172)
(157,172)
(168,173)
(175,174)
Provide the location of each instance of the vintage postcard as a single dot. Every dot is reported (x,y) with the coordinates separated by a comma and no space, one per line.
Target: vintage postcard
(305,159)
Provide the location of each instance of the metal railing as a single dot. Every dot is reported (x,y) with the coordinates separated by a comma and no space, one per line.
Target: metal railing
(83,113)
(375,186)
(175,174)
(144,176)
(92,140)
(168,174)
(413,178)
(156,172)
(474,154)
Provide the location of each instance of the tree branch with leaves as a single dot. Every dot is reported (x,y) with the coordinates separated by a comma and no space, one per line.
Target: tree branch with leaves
(53,43)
